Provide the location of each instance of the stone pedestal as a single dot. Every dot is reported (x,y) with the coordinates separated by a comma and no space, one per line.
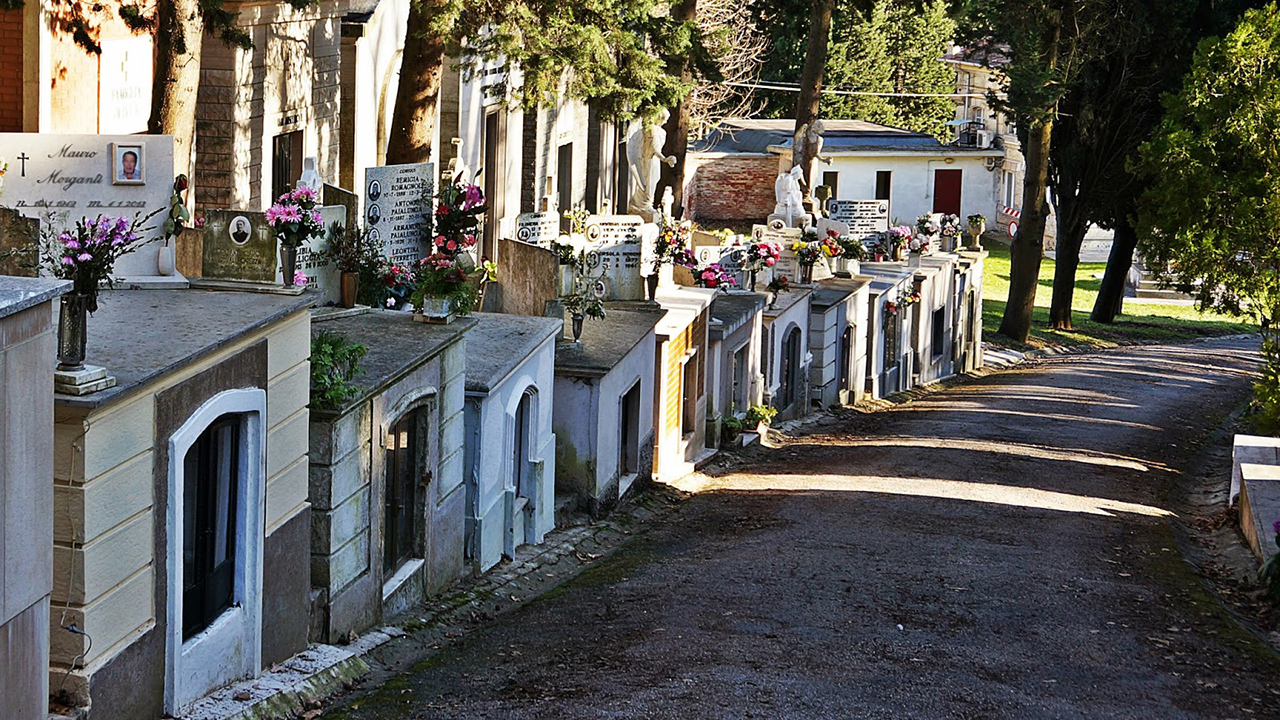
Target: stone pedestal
(88,379)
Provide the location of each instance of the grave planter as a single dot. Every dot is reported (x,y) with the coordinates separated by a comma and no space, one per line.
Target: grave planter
(73,325)
(439,311)
(165,258)
(976,229)
(288,264)
(349,289)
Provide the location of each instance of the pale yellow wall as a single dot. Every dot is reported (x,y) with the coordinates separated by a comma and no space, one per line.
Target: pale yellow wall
(104,555)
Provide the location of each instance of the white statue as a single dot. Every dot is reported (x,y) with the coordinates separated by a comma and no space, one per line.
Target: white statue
(310,177)
(644,152)
(668,199)
(789,198)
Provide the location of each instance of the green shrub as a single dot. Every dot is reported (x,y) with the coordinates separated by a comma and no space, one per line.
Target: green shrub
(757,414)
(1266,391)
(334,362)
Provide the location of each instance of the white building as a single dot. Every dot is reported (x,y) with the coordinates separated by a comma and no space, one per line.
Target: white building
(510,462)
(733,169)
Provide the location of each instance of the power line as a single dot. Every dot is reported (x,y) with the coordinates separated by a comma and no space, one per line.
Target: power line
(789,87)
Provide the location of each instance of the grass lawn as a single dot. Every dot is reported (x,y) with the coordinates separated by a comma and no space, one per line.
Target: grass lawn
(1141,322)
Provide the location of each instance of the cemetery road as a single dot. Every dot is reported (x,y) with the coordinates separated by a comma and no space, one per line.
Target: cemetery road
(1004,548)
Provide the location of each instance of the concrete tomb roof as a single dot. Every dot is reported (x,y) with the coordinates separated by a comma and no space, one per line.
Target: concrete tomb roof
(397,345)
(499,343)
(142,335)
(19,293)
(605,342)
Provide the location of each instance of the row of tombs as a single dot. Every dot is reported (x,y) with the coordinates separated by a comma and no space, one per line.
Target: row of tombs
(185,496)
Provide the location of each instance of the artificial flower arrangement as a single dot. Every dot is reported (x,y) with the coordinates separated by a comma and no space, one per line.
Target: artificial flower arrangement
(295,218)
(762,254)
(577,218)
(178,216)
(807,253)
(86,255)
(4,168)
(927,225)
(949,226)
(779,284)
(714,276)
(890,307)
(442,275)
(830,245)
(893,239)
(673,243)
(397,283)
(850,248)
(977,219)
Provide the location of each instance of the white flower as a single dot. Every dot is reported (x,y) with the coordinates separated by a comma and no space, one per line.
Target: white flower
(391,302)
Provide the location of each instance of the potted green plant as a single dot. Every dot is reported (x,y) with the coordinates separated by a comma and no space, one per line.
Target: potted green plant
(441,289)
(334,362)
(730,429)
(581,305)
(778,284)
(759,417)
(350,249)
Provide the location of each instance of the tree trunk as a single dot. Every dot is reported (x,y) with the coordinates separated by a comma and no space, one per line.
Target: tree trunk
(179,38)
(1070,237)
(1111,295)
(414,118)
(678,124)
(1028,247)
(815,63)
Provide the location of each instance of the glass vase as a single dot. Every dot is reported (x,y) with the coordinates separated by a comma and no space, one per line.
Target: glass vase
(73,331)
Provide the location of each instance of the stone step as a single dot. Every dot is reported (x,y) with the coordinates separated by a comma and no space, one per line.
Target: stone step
(1154,294)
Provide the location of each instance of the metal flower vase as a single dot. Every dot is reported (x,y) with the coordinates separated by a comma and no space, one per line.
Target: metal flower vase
(73,331)
(651,284)
(577,326)
(288,264)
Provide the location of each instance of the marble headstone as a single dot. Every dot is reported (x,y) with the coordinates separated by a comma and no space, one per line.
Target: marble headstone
(863,217)
(784,237)
(60,179)
(613,255)
(397,209)
(732,258)
(239,245)
(540,228)
(334,195)
(322,274)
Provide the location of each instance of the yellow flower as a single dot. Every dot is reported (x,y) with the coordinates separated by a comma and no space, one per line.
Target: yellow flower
(797,246)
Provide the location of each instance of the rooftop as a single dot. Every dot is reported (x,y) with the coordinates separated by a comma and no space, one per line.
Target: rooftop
(732,310)
(141,335)
(833,290)
(397,345)
(606,341)
(758,135)
(19,293)
(499,343)
(683,306)
(785,301)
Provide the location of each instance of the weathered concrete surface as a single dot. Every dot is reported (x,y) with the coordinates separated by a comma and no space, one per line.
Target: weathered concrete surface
(1001,549)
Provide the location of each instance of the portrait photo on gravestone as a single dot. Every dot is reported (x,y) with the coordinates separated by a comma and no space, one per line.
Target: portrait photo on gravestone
(128,164)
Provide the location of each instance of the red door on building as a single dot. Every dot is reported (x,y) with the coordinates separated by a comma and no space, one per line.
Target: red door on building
(946,191)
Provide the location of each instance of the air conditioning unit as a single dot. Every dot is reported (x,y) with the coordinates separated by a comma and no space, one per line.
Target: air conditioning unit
(985,138)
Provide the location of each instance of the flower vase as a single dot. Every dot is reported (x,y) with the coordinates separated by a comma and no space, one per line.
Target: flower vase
(439,311)
(806,274)
(349,289)
(751,280)
(651,285)
(288,264)
(165,259)
(577,326)
(73,326)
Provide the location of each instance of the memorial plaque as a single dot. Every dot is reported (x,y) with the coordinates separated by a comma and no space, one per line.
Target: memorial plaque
(239,245)
(59,179)
(334,195)
(540,228)
(785,237)
(613,254)
(398,203)
(699,238)
(732,258)
(864,217)
(322,274)
(19,244)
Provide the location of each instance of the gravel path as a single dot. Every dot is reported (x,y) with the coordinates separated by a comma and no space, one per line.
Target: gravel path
(1000,549)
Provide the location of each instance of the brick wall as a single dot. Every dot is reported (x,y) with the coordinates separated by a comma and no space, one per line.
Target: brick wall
(731,188)
(11,70)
